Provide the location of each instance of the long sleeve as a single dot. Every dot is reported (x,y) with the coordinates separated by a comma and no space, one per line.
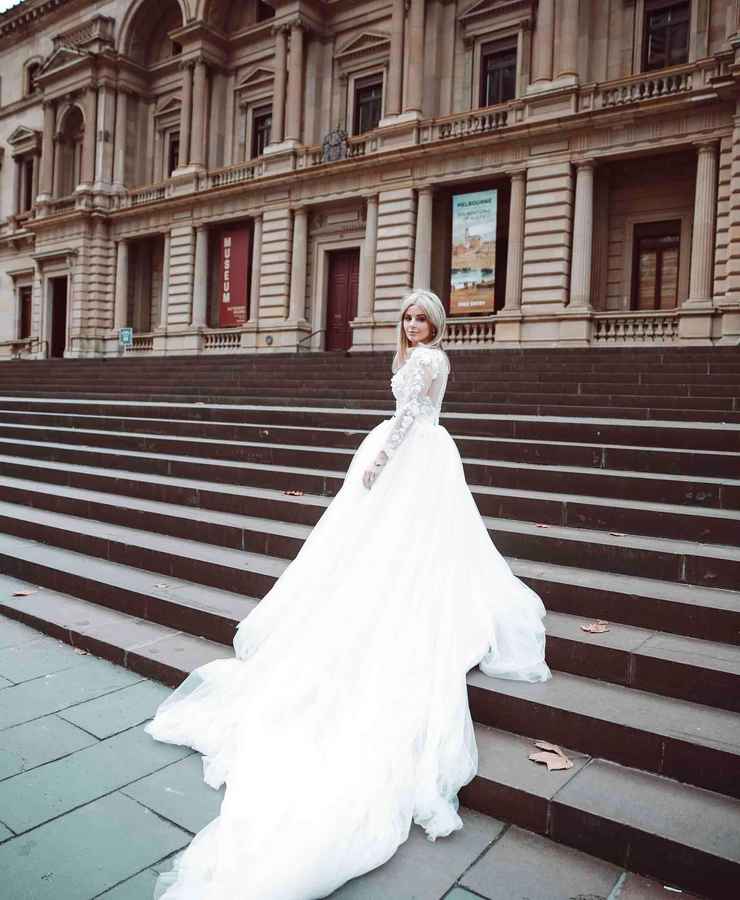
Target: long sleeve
(424,366)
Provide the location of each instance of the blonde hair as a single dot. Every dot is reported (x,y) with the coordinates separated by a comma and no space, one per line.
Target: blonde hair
(432,306)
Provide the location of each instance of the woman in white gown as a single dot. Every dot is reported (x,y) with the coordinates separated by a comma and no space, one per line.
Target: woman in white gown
(344,717)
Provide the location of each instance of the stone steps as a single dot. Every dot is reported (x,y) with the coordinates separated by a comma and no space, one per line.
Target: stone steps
(634,818)
(610,480)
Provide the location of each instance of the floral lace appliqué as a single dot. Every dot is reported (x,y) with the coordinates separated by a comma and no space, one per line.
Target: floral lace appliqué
(411,385)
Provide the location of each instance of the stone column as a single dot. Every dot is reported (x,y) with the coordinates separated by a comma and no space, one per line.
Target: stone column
(254,284)
(119,151)
(165,293)
(543,41)
(568,61)
(200,278)
(57,166)
(515,254)
(415,50)
(423,247)
(583,229)
(35,183)
(298,265)
(367,261)
(120,313)
(278,98)
(395,65)
(295,83)
(90,104)
(200,112)
(104,138)
(17,185)
(702,242)
(46,183)
(186,111)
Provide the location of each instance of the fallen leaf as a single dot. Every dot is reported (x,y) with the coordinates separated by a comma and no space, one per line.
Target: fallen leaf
(161,585)
(294,493)
(540,525)
(552,756)
(617,534)
(553,761)
(80,651)
(24,593)
(597,627)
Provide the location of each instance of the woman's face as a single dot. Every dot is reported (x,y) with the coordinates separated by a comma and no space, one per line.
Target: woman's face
(416,325)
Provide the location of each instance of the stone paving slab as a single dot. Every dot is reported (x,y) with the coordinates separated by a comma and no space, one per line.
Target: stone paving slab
(5,683)
(36,658)
(33,699)
(80,855)
(140,887)
(38,742)
(116,712)
(59,787)
(506,872)
(179,794)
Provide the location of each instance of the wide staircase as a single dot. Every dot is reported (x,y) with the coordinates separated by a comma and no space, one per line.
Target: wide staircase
(147,504)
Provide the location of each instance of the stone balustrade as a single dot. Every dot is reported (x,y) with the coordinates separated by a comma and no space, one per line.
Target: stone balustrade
(470,123)
(222,340)
(646,87)
(471,331)
(657,327)
(149,194)
(246,171)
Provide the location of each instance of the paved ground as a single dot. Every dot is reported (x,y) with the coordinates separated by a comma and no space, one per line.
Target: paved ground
(92,807)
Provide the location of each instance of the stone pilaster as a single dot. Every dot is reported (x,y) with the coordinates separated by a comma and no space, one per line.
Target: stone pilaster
(516,243)
(568,50)
(702,243)
(297,311)
(200,112)
(583,230)
(164,293)
(277,248)
(46,183)
(186,114)
(543,42)
(200,278)
(395,67)
(120,313)
(278,98)
(394,265)
(367,261)
(294,108)
(89,103)
(423,243)
(119,150)
(104,140)
(254,286)
(414,44)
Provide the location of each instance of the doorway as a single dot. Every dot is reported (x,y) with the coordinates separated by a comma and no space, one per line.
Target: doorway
(342,290)
(58,338)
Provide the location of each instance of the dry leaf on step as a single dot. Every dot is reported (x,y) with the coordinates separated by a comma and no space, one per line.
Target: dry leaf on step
(294,493)
(597,627)
(23,593)
(80,651)
(540,525)
(617,534)
(552,756)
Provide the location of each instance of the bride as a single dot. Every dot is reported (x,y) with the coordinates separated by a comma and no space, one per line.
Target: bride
(344,717)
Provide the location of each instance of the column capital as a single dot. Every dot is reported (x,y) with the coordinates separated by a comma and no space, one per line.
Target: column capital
(517,174)
(280,28)
(298,22)
(426,189)
(589,162)
(709,145)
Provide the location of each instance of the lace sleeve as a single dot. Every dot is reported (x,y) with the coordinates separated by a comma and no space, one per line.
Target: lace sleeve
(424,368)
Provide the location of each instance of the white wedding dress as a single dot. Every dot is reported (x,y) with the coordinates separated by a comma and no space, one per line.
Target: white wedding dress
(344,716)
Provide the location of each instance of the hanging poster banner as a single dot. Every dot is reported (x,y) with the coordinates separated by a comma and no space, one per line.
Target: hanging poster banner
(234,276)
(473,268)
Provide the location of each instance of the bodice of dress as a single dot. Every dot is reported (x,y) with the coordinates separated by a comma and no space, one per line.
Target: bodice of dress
(419,387)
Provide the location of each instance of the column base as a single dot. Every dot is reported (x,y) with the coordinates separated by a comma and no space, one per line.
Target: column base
(696,323)
(508,331)
(576,327)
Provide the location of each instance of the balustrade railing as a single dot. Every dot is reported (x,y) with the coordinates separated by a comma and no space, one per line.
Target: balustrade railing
(480,121)
(646,88)
(236,174)
(142,343)
(636,328)
(228,339)
(150,194)
(473,331)
(61,205)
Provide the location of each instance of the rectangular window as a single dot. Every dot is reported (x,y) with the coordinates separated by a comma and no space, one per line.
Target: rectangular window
(497,72)
(173,151)
(261,130)
(368,103)
(25,294)
(264,12)
(27,193)
(655,265)
(666,39)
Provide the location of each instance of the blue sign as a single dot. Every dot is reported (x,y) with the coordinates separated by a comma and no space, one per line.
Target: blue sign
(126,337)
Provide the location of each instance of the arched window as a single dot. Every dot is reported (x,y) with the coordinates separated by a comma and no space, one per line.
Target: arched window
(70,138)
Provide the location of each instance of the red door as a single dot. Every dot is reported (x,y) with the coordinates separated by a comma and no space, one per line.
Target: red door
(58,317)
(344,281)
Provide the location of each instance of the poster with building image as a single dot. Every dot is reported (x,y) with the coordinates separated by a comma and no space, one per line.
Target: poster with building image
(473,268)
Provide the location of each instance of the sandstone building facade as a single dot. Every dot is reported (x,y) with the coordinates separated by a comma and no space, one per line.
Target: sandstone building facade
(263,176)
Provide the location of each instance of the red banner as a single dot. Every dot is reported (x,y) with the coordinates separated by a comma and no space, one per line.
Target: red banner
(233,307)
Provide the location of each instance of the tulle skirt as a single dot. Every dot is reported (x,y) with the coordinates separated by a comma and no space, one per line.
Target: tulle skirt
(344,716)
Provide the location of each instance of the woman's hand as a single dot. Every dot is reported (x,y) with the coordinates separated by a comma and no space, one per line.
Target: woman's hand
(372,472)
